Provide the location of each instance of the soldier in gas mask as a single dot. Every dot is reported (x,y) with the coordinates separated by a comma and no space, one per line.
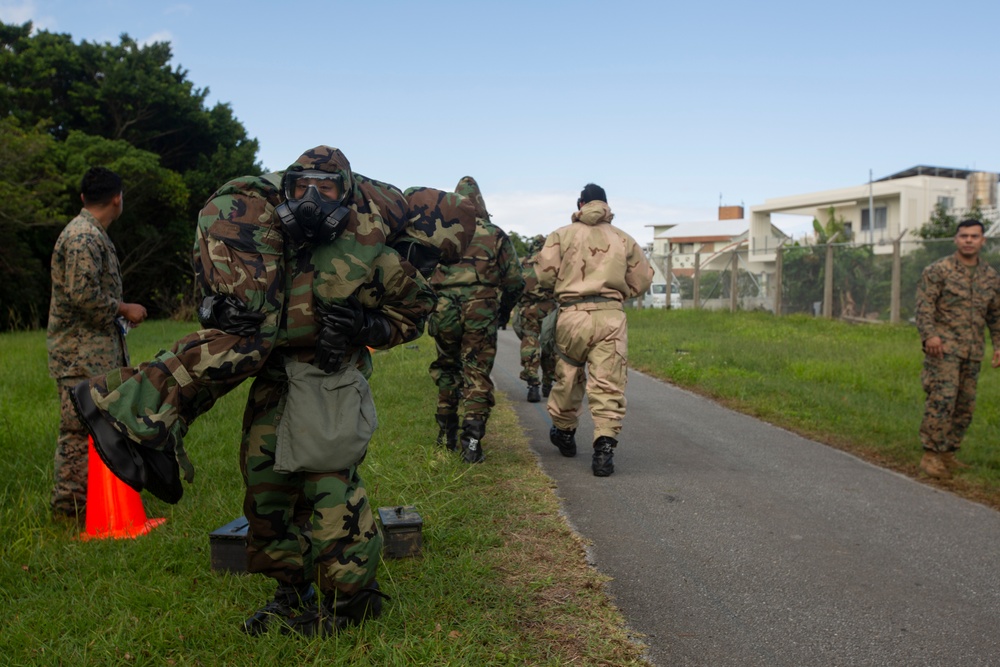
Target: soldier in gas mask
(300,280)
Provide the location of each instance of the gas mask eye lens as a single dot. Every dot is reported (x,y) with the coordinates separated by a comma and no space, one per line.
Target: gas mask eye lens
(329,187)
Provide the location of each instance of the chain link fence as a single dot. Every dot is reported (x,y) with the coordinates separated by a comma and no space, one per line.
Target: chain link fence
(853,281)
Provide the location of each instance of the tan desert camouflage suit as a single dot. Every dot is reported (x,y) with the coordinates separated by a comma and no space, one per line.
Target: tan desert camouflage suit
(83,339)
(592,267)
(956,303)
(298,522)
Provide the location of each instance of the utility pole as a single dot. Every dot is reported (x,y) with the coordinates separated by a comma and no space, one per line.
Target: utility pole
(871,209)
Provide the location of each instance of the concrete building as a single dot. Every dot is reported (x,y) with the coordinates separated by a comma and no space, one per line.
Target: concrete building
(902,203)
(713,242)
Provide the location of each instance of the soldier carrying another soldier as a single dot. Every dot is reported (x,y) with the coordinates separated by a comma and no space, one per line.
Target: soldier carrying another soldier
(475,296)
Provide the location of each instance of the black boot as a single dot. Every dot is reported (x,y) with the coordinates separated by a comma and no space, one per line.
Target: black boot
(604,456)
(339,611)
(534,393)
(564,440)
(472,434)
(448,431)
(118,452)
(140,467)
(293,609)
(546,389)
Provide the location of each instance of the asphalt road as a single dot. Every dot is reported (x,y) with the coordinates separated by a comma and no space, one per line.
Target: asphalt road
(732,542)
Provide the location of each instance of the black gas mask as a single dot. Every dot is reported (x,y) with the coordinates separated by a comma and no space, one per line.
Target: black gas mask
(313,210)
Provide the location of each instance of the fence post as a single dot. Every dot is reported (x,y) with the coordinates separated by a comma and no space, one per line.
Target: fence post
(779,261)
(697,280)
(734,283)
(828,278)
(897,271)
(670,277)
(828,282)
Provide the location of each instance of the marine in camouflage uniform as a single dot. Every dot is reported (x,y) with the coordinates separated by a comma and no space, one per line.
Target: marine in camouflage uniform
(535,303)
(475,296)
(85,336)
(957,298)
(274,297)
(592,267)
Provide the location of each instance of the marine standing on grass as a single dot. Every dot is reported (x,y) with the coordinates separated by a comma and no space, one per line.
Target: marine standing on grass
(475,297)
(593,267)
(958,296)
(535,303)
(87,323)
(299,280)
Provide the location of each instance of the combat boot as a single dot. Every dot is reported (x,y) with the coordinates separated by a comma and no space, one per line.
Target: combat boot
(448,431)
(546,389)
(933,463)
(952,463)
(138,466)
(293,609)
(534,393)
(564,440)
(604,456)
(340,611)
(472,435)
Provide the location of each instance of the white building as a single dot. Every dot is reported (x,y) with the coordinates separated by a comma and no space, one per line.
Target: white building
(903,202)
(713,241)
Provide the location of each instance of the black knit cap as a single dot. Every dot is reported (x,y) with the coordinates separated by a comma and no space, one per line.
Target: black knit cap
(592,192)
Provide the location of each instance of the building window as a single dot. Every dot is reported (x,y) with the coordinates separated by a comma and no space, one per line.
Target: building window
(947,203)
(881,215)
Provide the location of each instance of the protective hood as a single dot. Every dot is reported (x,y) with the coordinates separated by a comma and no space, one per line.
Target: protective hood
(439,228)
(311,217)
(594,213)
(468,188)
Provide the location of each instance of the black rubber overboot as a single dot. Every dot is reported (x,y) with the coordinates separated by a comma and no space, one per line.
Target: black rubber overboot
(447,431)
(564,440)
(338,612)
(604,456)
(117,451)
(140,467)
(534,393)
(293,609)
(473,431)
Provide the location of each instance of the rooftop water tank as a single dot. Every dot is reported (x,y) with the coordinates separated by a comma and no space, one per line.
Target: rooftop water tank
(982,188)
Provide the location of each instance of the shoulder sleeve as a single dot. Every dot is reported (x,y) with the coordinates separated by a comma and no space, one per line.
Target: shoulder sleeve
(638,272)
(86,262)
(928,291)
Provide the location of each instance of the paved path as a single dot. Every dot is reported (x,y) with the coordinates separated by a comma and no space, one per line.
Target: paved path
(732,542)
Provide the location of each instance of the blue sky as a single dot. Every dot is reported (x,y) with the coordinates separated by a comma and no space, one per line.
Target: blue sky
(672,107)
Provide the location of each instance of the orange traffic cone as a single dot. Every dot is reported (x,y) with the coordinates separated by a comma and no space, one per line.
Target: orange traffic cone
(113,508)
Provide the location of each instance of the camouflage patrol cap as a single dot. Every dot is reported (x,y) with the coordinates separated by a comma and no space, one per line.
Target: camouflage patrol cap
(467,187)
(328,159)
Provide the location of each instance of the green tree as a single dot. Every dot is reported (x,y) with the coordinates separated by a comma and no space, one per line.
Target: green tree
(119,105)
(31,191)
(943,225)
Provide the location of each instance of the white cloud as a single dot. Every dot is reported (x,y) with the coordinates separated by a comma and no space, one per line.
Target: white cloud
(530,213)
(161,36)
(18,13)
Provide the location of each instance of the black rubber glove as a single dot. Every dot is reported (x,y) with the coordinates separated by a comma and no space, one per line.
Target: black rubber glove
(347,325)
(229,314)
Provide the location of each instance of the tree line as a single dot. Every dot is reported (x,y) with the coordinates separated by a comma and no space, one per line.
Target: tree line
(67,106)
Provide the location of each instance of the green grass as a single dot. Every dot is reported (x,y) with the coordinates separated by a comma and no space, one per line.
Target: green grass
(854,386)
(501,580)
